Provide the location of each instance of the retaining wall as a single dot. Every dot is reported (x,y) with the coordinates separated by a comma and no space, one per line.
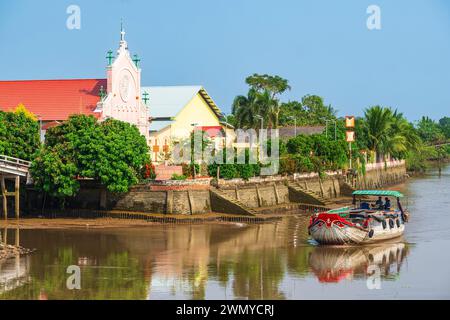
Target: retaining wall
(194,197)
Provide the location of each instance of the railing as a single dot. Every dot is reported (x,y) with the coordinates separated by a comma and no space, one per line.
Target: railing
(14,166)
(14,161)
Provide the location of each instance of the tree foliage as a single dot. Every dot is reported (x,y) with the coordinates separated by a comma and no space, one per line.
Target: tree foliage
(429,130)
(311,110)
(19,132)
(111,152)
(444,124)
(262,100)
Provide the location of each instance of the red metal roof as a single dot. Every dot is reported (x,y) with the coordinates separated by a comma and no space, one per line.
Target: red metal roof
(52,99)
(213,131)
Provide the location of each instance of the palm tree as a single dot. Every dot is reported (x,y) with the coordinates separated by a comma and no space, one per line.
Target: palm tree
(245,109)
(381,135)
(269,108)
(248,109)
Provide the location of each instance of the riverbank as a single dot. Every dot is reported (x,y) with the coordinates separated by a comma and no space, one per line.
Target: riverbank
(156,220)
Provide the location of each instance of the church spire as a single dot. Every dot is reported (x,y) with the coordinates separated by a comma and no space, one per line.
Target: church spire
(122,32)
(122,44)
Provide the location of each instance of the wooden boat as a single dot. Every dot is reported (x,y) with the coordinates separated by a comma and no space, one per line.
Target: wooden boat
(360,223)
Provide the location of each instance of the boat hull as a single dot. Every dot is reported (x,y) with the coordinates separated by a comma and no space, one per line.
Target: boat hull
(331,229)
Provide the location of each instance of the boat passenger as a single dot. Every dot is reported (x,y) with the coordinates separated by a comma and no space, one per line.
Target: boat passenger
(387,204)
(379,203)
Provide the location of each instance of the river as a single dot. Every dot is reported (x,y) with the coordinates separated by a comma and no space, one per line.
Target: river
(238,261)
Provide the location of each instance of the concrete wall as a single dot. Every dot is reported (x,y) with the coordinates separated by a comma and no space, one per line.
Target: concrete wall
(258,195)
(139,198)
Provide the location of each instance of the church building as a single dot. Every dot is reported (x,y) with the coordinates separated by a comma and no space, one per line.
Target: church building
(162,114)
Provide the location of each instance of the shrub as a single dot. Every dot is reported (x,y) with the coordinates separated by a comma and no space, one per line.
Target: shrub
(178,177)
(245,171)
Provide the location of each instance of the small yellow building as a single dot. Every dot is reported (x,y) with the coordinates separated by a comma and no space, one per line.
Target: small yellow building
(176,111)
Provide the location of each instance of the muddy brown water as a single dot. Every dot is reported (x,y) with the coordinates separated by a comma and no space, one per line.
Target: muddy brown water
(238,261)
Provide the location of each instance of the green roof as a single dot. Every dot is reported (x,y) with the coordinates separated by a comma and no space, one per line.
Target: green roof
(389,193)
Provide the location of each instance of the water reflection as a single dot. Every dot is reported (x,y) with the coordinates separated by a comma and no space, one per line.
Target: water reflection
(334,264)
(195,262)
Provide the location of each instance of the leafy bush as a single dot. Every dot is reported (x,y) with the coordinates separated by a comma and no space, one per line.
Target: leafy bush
(245,171)
(178,177)
(228,171)
(112,152)
(19,132)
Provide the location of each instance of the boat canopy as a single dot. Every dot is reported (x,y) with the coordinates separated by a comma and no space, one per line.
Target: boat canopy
(389,193)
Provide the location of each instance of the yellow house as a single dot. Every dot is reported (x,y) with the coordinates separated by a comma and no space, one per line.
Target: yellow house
(175,111)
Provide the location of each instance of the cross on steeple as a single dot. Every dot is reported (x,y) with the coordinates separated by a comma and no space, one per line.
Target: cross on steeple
(122,44)
(145,94)
(136,60)
(122,31)
(110,57)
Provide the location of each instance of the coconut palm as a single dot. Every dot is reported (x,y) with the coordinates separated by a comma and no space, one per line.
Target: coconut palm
(245,109)
(248,110)
(381,136)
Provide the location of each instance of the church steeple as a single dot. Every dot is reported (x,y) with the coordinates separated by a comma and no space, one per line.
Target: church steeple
(123,46)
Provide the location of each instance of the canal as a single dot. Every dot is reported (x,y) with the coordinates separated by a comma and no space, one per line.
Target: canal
(237,261)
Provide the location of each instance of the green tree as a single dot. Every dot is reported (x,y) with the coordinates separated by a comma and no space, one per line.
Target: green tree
(444,125)
(112,152)
(19,132)
(310,111)
(317,152)
(316,109)
(378,122)
(262,100)
(429,130)
(245,110)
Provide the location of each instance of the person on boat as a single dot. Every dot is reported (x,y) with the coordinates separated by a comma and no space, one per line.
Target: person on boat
(379,203)
(387,204)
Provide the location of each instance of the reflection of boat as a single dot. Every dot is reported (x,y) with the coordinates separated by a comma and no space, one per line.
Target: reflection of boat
(360,223)
(333,264)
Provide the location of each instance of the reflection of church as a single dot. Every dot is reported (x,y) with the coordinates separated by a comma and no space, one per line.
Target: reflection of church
(162,114)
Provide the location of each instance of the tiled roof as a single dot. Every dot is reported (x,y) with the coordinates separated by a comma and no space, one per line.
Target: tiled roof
(52,99)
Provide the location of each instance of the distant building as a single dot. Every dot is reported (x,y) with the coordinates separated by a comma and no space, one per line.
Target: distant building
(53,101)
(162,114)
(286,133)
(176,111)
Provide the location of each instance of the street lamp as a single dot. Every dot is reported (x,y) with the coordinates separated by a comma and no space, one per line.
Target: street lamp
(295,124)
(193,125)
(326,127)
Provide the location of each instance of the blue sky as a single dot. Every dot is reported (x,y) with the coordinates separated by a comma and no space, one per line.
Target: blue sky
(322,47)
